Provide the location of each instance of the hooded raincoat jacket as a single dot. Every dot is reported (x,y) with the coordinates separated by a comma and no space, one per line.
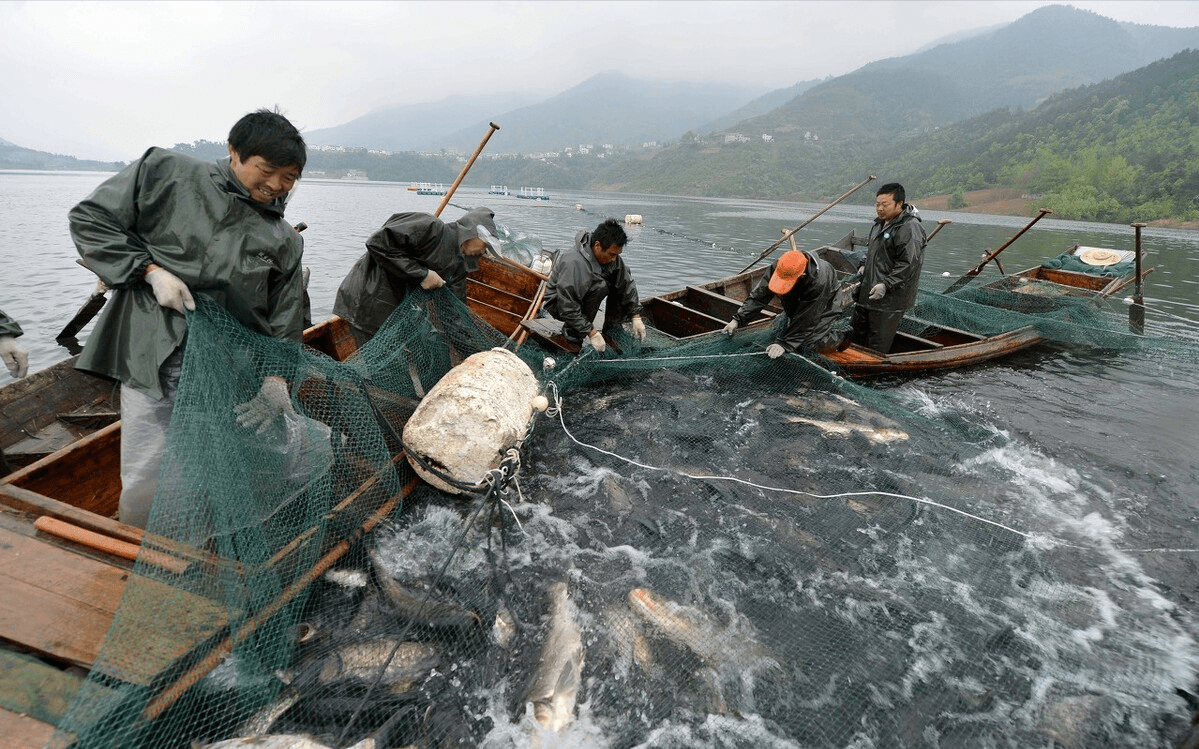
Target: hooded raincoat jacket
(402,253)
(578,284)
(196,220)
(894,259)
(809,306)
(9,326)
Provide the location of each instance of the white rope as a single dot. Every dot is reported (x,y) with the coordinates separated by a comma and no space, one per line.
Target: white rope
(556,410)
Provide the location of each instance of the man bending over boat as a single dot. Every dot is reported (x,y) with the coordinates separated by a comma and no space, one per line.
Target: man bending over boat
(13,353)
(585,276)
(891,274)
(169,226)
(412,249)
(805,285)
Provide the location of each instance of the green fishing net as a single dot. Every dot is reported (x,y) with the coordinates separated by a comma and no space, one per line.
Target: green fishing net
(695,545)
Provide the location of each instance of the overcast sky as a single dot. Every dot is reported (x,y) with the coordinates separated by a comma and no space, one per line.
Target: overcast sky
(106,80)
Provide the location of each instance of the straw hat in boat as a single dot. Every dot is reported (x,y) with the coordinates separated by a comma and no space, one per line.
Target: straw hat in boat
(1095,256)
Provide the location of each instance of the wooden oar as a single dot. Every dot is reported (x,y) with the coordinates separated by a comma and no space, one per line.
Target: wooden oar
(940,225)
(819,213)
(1136,312)
(492,127)
(90,309)
(993,254)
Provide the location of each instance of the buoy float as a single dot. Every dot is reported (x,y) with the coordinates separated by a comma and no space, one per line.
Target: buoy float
(467,421)
(632,218)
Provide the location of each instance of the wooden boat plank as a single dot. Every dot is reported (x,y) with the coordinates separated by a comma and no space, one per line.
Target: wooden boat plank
(34,690)
(23,732)
(678,320)
(59,392)
(85,474)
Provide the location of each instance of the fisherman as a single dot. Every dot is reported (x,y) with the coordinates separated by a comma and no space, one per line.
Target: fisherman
(166,228)
(891,273)
(586,276)
(412,249)
(13,353)
(806,285)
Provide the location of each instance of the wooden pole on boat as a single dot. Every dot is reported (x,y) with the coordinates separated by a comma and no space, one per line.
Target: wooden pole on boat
(994,254)
(940,225)
(492,127)
(1136,312)
(819,213)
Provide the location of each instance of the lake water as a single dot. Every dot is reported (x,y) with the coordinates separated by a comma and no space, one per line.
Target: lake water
(1097,449)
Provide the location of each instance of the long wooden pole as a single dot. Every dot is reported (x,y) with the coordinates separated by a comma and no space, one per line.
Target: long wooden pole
(1136,312)
(994,254)
(492,127)
(819,213)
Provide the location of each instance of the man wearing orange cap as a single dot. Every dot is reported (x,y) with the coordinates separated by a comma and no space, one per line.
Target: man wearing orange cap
(805,285)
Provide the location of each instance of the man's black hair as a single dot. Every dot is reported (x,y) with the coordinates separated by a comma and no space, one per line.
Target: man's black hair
(895,190)
(609,234)
(269,135)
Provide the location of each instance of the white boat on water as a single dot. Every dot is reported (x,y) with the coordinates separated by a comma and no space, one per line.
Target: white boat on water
(499,190)
(533,193)
(425,188)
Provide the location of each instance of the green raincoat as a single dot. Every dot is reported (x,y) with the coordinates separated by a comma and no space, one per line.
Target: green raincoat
(9,326)
(196,220)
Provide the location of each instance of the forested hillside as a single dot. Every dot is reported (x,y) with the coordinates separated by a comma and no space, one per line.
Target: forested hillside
(1123,150)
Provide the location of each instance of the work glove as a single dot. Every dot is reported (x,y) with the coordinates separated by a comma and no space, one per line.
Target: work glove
(728,329)
(170,291)
(432,281)
(14,356)
(638,328)
(272,400)
(774,351)
(597,341)
(877,292)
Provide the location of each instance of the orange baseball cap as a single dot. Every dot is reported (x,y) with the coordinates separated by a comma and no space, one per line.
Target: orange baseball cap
(790,267)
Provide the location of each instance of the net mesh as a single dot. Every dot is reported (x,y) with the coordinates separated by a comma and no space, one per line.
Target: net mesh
(695,546)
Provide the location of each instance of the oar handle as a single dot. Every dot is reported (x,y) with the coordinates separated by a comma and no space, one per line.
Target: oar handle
(816,215)
(994,253)
(492,127)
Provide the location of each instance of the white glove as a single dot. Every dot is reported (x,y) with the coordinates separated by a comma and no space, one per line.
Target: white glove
(597,341)
(14,356)
(638,328)
(774,351)
(728,329)
(877,292)
(169,290)
(272,400)
(432,281)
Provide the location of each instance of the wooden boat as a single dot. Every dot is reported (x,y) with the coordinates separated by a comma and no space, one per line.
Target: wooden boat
(701,310)
(69,561)
(1043,286)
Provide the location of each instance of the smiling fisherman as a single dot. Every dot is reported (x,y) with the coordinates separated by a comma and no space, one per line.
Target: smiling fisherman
(169,226)
(891,274)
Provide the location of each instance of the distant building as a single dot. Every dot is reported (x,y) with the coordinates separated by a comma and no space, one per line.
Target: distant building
(735,138)
(767,138)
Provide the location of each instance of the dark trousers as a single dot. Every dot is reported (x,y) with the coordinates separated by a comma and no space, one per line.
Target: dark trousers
(875,328)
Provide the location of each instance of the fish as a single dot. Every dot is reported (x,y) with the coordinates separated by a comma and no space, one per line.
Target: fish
(260,722)
(407,664)
(877,435)
(556,681)
(504,627)
(279,741)
(420,603)
(733,646)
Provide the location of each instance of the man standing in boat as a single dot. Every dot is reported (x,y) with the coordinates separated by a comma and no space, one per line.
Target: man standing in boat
(585,276)
(412,249)
(13,353)
(169,226)
(805,285)
(891,273)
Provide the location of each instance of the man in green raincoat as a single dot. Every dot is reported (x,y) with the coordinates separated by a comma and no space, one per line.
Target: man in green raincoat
(169,226)
(13,353)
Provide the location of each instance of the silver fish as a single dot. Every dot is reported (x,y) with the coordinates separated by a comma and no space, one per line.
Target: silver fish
(732,646)
(279,741)
(877,435)
(421,604)
(362,661)
(558,677)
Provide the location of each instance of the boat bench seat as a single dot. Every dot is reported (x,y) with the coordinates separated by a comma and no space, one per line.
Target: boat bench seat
(929,323)
(918,339)
(717,305)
